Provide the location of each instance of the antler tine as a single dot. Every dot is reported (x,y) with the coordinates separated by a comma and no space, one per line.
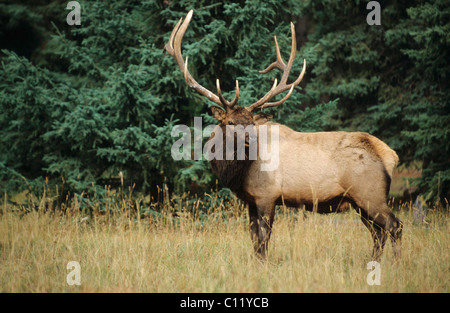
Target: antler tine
(286,68)
(279,63)
(264,99)
(274,104)
(227,104)
(236,96)
(294,84)
(173,47)
(169,45)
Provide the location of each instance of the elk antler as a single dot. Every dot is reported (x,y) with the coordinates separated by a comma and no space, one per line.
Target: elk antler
(277,89)
(173,47)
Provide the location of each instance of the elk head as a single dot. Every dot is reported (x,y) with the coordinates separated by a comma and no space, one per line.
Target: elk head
(228,113)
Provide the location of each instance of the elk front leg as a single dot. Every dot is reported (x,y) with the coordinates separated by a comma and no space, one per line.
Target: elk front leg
(261,220)
(253,225)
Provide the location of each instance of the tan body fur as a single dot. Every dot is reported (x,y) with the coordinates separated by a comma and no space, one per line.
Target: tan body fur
(321,166)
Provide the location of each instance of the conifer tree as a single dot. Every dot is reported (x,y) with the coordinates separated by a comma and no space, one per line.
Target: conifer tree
(81,104)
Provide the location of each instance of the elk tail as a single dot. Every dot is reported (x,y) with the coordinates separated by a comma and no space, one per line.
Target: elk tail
(388,156)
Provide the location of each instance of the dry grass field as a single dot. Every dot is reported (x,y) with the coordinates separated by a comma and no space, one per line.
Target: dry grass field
(118,252)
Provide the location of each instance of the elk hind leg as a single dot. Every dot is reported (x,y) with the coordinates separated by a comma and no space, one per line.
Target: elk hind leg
(383,224)
(394,228)
(378,235)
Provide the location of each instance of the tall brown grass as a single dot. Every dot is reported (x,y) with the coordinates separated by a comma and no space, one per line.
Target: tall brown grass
(121,247)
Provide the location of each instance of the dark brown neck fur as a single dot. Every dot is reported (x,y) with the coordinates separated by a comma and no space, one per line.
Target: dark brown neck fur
(231,173)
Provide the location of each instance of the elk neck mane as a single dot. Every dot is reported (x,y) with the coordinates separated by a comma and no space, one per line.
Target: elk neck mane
(231,173)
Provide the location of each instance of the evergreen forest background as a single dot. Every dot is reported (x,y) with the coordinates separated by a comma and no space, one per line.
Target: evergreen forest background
(89,106)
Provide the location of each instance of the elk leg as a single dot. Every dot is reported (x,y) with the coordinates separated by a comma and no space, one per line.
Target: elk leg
(265,212)
(382,225)
(378,235)
(261,220)
(254,232)
(394,227)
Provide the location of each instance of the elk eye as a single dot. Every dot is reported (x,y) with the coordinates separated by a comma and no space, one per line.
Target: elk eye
(230,123)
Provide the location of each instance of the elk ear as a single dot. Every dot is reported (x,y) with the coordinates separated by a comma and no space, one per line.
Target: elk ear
(261,118)
(218,113)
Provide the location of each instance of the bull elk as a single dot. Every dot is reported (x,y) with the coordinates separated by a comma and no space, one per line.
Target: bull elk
(323,171)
